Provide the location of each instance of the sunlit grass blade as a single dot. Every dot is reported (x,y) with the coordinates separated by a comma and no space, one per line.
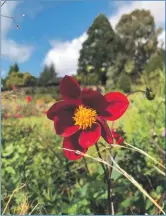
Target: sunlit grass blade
(141,152)
(160,171)
(144,153)
(15,191)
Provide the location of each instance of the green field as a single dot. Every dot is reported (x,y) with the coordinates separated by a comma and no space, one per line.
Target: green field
(32,155)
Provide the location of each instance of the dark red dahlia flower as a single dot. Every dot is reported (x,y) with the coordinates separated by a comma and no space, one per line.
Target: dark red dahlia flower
(81,116)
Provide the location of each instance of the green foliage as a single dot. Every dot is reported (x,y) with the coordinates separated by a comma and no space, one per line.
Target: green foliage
(30,154)
(47,92)
(139,47)
(117,69)
(14,78)
(150,76)
(13,68)
(48,75)
(152,79)
(143,118)
(29,80)
(155,62)
(139,37)
(124,83)
(99,50)
(17,78)
(129,66)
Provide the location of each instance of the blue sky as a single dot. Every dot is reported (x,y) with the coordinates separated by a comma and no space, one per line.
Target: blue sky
(53,31)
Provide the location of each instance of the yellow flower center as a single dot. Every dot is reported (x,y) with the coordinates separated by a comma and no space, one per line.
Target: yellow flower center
(84,117)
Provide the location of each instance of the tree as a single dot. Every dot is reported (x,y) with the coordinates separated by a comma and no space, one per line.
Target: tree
(99,50)
(123,64)
(153,74)
(48,75)
(156,61)
(139,37)
(14,78)
(29,80)
(124,82)
(13,68)
(139,46)
(2,82)
(17,78)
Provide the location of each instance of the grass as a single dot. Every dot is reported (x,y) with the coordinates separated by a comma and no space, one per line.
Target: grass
(141,120)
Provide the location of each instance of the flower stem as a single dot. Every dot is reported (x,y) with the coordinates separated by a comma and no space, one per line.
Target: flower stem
(107,178)
(141,91)
(86,165)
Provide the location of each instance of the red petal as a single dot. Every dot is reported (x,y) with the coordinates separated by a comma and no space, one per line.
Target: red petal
(114,134)
(119,140)
(105,131)
(69,88)
(90,137)
(117,105)
(59,107)
(94,100)
(64,124)
(71,143)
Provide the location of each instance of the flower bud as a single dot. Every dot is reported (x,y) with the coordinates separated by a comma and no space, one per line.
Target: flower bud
(149,94)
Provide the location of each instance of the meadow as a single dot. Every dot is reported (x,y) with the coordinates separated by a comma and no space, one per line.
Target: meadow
(114,169)
(38,179)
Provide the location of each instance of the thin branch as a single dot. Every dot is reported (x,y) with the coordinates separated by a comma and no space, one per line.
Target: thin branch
(3,3)
(10,17)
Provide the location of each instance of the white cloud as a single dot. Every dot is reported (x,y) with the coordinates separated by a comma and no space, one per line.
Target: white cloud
(15,52)
(157,9)
(12,50)
(64,55)
(3,73)
(161,39)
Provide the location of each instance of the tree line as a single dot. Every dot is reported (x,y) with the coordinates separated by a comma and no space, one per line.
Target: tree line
(115,58)
(47,77)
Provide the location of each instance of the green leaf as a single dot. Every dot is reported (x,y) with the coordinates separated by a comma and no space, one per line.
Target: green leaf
(10,170)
